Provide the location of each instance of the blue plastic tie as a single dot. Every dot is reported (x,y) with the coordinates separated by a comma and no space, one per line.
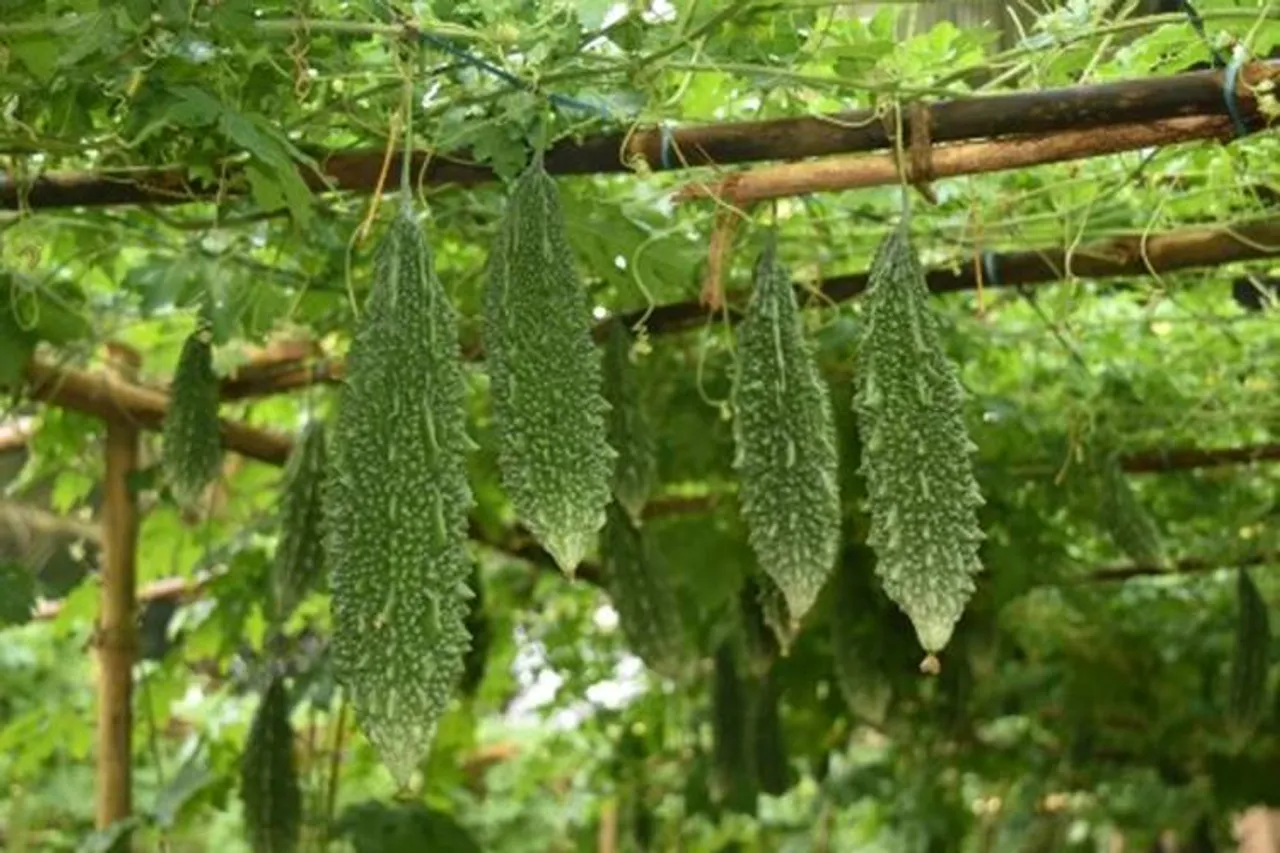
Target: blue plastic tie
(1229,92)
(668,144)
(989,269)
(474,61)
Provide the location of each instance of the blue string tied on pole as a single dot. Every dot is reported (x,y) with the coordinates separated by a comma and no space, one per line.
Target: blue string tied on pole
(666,145)
(989,271)
(1230,91)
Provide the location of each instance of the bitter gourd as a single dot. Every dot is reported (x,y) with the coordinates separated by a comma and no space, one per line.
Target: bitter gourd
(545,374)
(192,436)
(635,469)
(774,611)
(915,450)
(860,650)
(299,556)
(1251,660)
(785,442)
(641,592)
(397,504)
(733,754)
(476,660)
(772,763)
(269,788)
(1126,521)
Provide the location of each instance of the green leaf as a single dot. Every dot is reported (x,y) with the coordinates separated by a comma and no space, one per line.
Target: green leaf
(193,777)
(38,53)
(17,595)
(374,827)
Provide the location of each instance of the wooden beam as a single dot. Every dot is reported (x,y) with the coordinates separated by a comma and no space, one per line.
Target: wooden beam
(115,401)
(1130,255)
(116,635)
(948,161)
(1196,93)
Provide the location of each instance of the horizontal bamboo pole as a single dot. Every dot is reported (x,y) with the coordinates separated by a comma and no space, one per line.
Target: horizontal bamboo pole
(973,158)
(1195,93)
(111,399)
(1133,255)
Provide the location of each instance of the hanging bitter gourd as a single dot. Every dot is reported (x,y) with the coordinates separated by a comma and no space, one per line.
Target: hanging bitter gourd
(397,503)
(733,753)
(1127,522)
(269,788)
(1251,661)
(299,556)
(774,610)
(191,435)
(545,374)
(480,629)
(642,594)
(916,451)
(629,435)
(785,442)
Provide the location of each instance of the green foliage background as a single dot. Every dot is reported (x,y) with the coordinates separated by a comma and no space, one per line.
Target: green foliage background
(1066,707)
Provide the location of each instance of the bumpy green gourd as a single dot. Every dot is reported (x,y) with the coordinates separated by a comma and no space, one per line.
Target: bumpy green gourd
(636,468)
(1124,518)
(480,629)
(553,453)
(771,756)
(916,450)
(191,437)
(785,442)
(1251,661)
(862,651)
(642,594)
(397,505)
(299,557)
(760,645)
(773,609)
(733,754)
(269,786)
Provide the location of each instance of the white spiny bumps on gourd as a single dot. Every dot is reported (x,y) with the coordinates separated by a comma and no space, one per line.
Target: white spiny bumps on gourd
(192,435)
(636,468)
(642,594)
(1131,529)
(397,500)
(916,453)
(556,463)
(784,434)
(269,789)
(299,557)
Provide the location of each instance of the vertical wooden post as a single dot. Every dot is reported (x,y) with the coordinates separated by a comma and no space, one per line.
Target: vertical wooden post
(116,633)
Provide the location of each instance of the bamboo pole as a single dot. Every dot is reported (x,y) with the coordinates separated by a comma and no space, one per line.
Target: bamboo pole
(116,636)
(976,158)
(1076,108)
(114,400)
(1130,255)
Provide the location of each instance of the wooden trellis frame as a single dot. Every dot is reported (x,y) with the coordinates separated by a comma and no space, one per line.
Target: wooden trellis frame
(1137,255)
(1185,106)
(1064,110)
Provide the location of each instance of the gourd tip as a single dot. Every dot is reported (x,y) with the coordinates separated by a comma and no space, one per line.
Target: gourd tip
(931,665)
